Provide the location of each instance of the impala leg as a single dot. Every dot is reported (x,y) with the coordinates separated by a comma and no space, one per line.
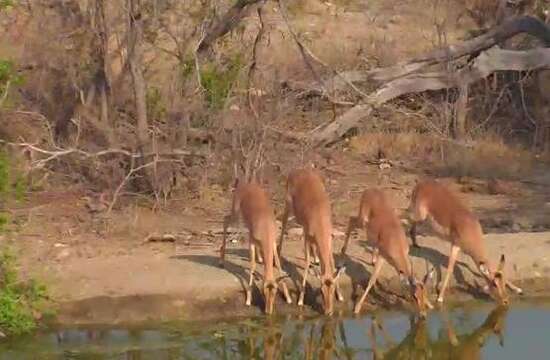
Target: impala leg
(259,257)
(372,281)
(283,228)
(412,234)
(375,255)
(314,254)
(283,284)
(450,268)
(514,288)
(252,271)
(306,270)
(227,220)
(337,290)
(352,225)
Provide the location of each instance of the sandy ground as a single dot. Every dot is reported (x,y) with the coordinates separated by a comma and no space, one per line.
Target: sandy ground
(179,282)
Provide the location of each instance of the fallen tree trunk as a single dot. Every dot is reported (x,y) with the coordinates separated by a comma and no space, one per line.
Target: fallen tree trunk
(228,22)
(485,64)
(510,28)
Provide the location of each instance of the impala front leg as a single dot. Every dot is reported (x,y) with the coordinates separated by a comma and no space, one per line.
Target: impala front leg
(337,290)
(227,220)
(252,271)
(375,255)
(372,281)
(283,228)
(450,268)
(280,270)
(306,270)
(412,234)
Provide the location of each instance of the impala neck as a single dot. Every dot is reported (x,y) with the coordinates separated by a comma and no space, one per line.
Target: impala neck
(324,245)
(267,252)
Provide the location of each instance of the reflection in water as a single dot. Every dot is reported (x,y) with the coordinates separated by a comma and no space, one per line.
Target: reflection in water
(480,335)
(418,345)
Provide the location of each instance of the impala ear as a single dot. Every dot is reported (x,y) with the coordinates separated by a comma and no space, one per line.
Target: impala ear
(339,271)
(501,264)
(484,271)
(429,276)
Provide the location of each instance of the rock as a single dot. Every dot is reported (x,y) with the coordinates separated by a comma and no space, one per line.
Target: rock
(63,254)
(338,233)
(505,224)
(298,231)
(524,223)
(516,227)
(2,335)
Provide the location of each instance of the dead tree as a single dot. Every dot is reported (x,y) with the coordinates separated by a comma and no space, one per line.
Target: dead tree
(408,77)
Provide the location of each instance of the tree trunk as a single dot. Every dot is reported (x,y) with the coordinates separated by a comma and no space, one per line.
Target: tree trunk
(461,112)
(135,58)
(101,78)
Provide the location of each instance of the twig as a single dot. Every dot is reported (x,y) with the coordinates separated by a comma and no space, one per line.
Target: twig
(252,68)
(124,181)
(64,152)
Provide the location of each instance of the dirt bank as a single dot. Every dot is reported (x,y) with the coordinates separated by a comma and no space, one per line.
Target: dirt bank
(187,283)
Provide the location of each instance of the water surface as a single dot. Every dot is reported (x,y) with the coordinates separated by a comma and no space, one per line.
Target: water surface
(486,332)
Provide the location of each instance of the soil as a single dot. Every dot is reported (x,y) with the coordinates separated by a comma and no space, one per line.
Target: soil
(100,269)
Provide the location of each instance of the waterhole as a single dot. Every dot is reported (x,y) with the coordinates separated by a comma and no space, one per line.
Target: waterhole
(469,332)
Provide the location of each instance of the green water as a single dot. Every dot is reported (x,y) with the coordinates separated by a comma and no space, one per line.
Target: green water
(520,332)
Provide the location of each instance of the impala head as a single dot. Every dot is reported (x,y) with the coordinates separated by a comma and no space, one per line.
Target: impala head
(328,289)
(419,294)
(496,284)
(270,291)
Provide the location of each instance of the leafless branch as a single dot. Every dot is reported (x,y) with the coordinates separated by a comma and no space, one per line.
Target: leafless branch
(508,29)
(125,180)
(485,64)
(226,23)
(253,64)
(55,154)
(307,54)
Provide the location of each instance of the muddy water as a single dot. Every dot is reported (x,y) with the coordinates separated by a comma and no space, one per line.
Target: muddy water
(481,331)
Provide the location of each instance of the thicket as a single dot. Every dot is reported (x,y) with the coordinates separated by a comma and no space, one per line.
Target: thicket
(152,97)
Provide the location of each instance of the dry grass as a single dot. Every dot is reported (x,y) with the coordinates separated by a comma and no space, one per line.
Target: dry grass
(489,157)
